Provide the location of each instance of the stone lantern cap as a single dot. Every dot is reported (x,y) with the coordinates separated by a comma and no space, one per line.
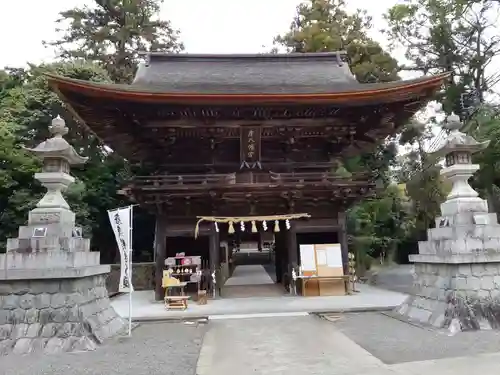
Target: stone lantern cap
(57,146)
(458,141)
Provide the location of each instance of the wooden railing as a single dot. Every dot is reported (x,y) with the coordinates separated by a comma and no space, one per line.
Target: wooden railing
(250,178)
(190,179)
(313,177)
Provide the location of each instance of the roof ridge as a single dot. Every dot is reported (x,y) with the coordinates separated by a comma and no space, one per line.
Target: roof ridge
(339,56)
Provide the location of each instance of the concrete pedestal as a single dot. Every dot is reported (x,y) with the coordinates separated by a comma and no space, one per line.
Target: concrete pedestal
(464,287)
(57,311)
(457,270)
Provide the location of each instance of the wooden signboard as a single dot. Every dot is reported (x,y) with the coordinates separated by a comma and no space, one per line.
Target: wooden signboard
(250,137)
(323,260)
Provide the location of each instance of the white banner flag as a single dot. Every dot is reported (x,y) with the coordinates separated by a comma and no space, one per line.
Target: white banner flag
(120,222)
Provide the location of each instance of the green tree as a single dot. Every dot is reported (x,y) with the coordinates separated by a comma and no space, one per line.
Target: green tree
(326,26)
(420,173)
(18,191)
(26,109)
(486,126)
(378,226)
(33,105)
(460,37)
(114,32)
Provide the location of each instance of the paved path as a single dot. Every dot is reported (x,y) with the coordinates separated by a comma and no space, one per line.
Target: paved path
(369,298)
(251,281)
(253,274)
(284,345)
(308,345)
(398,278)
(484,364)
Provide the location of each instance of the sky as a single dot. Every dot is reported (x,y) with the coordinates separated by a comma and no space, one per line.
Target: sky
(207,26)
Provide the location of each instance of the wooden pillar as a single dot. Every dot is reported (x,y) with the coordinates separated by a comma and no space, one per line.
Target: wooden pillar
(281,249)
(342,233)
(278,258)
(214,251)
(226,253)
(291,242)
(160,248)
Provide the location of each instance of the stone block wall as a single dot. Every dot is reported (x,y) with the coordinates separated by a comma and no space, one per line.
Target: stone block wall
(56,315)
(469,292)
(142,277)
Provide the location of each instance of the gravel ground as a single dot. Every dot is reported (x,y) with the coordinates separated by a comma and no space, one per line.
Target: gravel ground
(154,349)
(394,341)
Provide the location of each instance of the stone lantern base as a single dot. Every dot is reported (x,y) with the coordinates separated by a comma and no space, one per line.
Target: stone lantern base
(55,310)
(53,296)
(464,287)
(457,270)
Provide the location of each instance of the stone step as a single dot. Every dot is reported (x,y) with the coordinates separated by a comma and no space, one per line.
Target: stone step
(468,218)
(459,246)
(464,231)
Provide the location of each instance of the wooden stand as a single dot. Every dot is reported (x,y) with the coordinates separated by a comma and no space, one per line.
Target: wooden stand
(186,270)
(176,302)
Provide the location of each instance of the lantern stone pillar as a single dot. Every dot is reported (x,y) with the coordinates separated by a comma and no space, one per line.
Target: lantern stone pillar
(457,270)
(53,295)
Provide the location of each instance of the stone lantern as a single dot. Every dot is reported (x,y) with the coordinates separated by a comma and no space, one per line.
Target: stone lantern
(57,156)
(51,225)
(457,151)
(53,295)
(458,268)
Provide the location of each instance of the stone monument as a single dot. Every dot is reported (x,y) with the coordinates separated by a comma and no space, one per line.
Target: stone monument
(457,270)
(52,287)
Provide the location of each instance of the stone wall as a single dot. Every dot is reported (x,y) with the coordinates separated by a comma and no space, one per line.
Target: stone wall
(469,292)
(142,277)
(56,315)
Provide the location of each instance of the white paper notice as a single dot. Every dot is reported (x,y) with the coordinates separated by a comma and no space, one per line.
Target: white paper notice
(321,257)
(307,258)
(334,256)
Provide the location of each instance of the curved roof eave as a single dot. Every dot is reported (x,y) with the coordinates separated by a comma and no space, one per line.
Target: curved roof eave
(136,93)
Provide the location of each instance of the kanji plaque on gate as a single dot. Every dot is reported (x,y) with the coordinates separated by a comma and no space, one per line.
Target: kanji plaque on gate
(250,137)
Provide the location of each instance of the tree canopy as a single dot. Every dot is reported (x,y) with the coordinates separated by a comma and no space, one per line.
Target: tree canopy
(459,37)
(326,26)
(112,33)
